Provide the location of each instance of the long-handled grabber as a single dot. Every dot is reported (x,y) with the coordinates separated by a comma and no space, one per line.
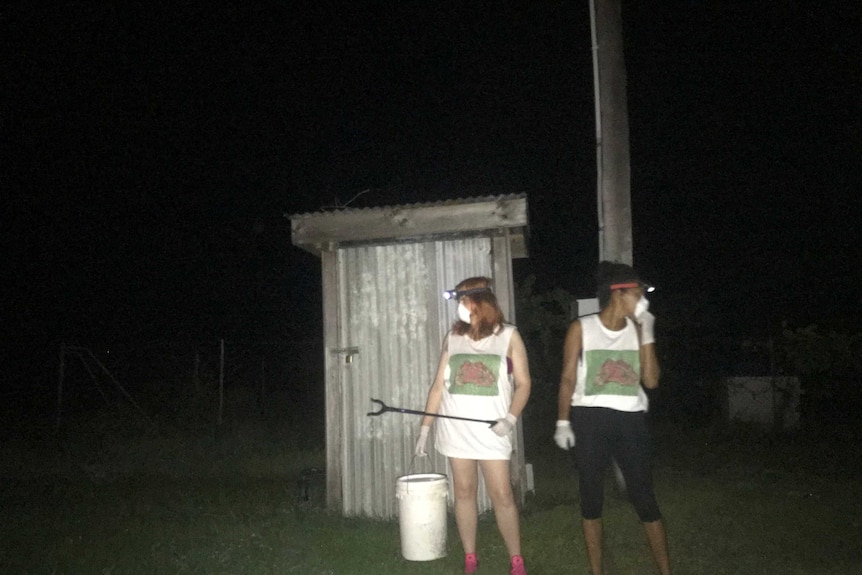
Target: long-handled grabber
(384,408)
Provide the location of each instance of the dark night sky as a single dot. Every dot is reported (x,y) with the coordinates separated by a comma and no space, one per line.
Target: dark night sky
(148,155)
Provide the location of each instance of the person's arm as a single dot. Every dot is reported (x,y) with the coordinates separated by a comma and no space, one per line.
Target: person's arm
(650,371)
(435,393)
(564,437)
(569,375)
(521,373)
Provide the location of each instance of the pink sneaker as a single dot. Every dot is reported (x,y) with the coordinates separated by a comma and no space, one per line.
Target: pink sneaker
(471,563)
(518,566)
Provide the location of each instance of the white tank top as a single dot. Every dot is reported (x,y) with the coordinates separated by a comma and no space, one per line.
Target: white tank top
(609,369)
(478,385)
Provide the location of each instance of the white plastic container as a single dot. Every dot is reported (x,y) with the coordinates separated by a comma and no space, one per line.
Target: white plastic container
(422,515)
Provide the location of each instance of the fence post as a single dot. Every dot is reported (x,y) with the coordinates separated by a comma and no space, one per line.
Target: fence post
(61,373)
(262,385)
(221,382)
(196,377)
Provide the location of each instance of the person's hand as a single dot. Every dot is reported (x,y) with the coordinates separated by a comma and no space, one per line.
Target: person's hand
(420,443)
(504,425)
(564,436)
(647,322)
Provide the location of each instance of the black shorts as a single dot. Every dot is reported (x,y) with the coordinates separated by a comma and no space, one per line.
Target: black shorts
(602,433)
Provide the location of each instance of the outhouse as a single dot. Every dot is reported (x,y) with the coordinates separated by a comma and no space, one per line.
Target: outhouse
(384,270)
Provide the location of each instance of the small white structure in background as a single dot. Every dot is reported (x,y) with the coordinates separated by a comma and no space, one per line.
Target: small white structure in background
(770,401)
(587,306)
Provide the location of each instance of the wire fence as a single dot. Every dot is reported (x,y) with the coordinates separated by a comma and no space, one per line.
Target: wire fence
(220,380)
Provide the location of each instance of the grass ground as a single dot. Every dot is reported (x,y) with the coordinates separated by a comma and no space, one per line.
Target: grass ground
(117,500)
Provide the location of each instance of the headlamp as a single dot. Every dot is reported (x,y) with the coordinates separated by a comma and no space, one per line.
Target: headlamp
(648,288)
(456,294)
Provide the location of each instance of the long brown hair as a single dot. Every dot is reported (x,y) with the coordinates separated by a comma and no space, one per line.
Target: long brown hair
(487,316)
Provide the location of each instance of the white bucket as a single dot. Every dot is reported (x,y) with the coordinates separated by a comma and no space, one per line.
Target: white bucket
(422,515)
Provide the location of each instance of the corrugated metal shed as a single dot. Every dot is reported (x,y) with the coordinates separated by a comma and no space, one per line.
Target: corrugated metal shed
(384,270)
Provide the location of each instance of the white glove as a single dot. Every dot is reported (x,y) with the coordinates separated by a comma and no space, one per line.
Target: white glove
(420,443)
(504,425)
(564,436)
(647,323)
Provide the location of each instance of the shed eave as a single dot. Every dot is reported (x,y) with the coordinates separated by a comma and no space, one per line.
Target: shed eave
(317,232)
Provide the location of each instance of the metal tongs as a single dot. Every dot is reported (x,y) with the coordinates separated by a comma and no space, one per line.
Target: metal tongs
(384,408)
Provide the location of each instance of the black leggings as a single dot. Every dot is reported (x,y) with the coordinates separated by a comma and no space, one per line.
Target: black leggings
(602,433)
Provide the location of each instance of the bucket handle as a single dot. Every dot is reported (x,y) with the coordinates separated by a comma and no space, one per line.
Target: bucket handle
(413,462)
(410,469)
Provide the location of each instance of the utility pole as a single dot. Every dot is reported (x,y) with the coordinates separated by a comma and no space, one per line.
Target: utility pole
(612,132)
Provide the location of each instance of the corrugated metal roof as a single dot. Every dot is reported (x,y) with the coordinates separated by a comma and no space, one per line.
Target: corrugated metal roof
(325,231)
(449,202)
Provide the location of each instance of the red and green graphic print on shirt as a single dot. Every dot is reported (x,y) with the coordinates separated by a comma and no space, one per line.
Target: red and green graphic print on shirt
(612,372)
(474,374)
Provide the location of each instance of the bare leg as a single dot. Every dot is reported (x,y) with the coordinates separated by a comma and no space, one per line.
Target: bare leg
(593,539)
(496,474)
(465,478)
(658,543)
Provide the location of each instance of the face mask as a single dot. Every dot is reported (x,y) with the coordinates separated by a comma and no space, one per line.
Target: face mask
(641,306)
(463,313)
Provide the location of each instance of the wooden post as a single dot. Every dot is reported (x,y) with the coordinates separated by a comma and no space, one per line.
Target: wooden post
(221,382)
(612,132)
(262,399)
(333,380)
(196,375)
(61,374)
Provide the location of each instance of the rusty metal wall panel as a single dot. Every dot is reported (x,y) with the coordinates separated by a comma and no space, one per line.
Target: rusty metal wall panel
(386,355)
(392,320)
